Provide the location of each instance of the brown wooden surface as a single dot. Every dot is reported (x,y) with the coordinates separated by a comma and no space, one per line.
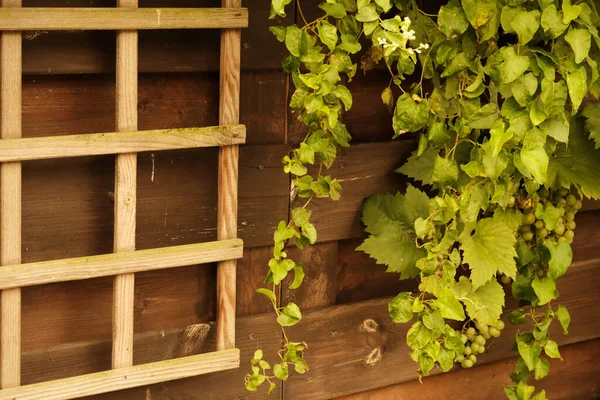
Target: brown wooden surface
(10,199)
(173,51)
(577,377)
(340,342)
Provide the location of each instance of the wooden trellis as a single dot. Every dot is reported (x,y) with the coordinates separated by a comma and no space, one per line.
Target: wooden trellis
(125,143)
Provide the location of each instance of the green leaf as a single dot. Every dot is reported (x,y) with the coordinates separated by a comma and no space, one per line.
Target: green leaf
(542,368)
(452,20)
(420,168)
(336,10)
(499,136)
(295,41)
(577,84)
(513,66)
(272,387)
(409,115)
(434,321)
(426,363)
(536,161)
(418,336)
(279,32)
(529,353)
(278,8)
(552,22)
(298,277)
(486,303)
(545,289)
(525,24)
(484,118)
(516,317)
(578,163)
(540,396)
(446,359)
(564,318)
(524,391)
(400,308)
(328,34)
(560,259)
(387,97)
(580,40)
(267,293)
(445,171)
(367,13)
(550,215)
(456,65)
(591,111)
(570,11)
(557,127)
(390,221)
(300,216)
(551,349)
(281,371)
(290,315)
(448,305)
(489,250)
(280,269)
(479,12)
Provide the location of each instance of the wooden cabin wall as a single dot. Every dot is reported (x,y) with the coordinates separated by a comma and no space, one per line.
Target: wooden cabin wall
(67,211)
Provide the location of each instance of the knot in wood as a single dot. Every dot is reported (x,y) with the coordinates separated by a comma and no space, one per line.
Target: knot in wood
(374,356)
(370,326)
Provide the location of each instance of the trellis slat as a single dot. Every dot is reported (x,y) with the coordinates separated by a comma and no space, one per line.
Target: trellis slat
(227,196)
(86,19)
(10,197)
(119,142)
(125,192)
(38,273)
(125,378)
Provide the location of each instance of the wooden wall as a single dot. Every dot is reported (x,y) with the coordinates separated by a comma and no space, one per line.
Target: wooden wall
(67,212)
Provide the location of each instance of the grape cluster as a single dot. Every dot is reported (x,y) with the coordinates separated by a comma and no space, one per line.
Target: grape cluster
(567,204)
(474,339)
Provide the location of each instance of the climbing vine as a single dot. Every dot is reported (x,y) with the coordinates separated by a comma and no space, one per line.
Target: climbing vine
(502,94)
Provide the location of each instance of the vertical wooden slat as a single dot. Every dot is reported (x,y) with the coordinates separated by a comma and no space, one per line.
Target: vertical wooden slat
(125,192)
(229,113)
(10,220)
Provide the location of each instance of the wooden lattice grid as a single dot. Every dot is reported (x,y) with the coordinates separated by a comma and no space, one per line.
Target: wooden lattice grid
(125,143)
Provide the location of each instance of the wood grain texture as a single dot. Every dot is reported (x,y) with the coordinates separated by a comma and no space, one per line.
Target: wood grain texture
(119,142)
(10,199)
(339,345)
(87,19)
(577,377)
(125,194)
(227,190)
(15,276)
(127,377)
(93,52)
(362,330)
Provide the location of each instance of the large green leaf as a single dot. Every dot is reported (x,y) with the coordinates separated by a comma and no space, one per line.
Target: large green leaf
(448,305)
(452,20)
(591,111)
(410,115)
(525,24)
(490,249)
(486,303)
(552,21)
(480,12)
(390,221)
(420,168)
(580,40)
(576,163)
(577,84)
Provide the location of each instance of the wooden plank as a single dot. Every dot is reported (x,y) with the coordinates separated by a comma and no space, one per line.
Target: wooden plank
(73,269)
(227,190)
(574,378)
(252,270)
(360,278)
(93,52)
(10,199)
(125,194)
(370,343)
(103,18)
(119,142)
(363,170)
(339,344)
(125,378)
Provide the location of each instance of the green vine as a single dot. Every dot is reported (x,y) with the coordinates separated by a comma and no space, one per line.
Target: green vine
(506,152)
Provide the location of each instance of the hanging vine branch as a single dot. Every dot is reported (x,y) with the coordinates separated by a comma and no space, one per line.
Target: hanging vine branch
(507,150)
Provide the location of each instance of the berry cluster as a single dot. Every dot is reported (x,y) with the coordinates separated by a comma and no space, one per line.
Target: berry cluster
(567,205)
(474,339)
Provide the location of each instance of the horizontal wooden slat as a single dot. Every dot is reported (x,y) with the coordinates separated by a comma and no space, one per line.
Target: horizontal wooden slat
(119,263)
(91,19)
(94,144)
(575,378)
(125,378)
